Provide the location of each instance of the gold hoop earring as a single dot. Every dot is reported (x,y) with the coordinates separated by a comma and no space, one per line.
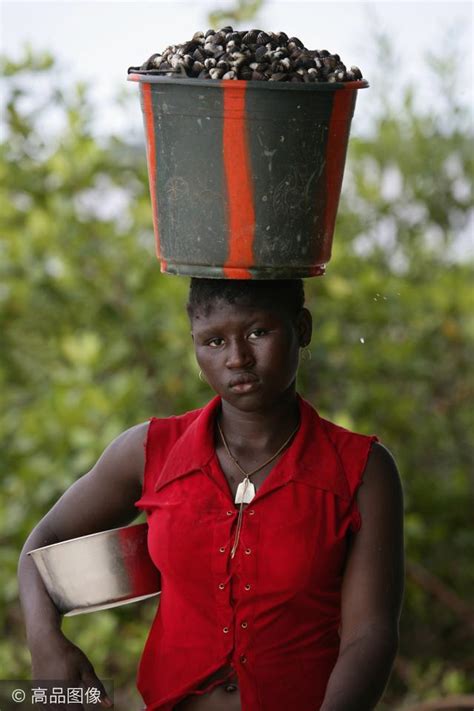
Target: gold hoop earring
(305,353)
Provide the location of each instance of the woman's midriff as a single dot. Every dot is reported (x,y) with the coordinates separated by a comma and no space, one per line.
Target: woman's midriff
(223,697)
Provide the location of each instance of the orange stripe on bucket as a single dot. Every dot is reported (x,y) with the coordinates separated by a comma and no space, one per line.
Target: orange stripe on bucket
(237,166)
(336,147)
(151,161)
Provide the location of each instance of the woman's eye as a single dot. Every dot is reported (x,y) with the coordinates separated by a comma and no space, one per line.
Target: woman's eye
(258,333)
(215,342)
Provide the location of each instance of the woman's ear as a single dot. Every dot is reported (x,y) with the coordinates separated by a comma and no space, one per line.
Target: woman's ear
(304,325)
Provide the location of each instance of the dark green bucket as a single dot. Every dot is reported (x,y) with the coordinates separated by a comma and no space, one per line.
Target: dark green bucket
(245,176)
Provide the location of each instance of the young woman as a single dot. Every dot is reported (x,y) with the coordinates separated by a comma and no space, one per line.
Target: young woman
(279,535)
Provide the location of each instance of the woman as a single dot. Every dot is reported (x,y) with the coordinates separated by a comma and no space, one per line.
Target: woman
(278,534)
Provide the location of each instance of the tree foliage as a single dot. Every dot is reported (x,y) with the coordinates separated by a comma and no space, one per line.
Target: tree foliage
(94,339)
(242,11)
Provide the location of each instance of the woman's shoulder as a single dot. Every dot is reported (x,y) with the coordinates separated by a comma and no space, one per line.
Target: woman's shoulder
(353,448)
(170,428)
(364,458)
(132,442)
(342,435)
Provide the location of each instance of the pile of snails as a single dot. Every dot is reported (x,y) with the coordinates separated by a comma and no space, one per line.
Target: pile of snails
(251,55)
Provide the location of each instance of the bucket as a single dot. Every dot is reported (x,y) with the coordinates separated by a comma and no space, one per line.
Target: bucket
(245,176)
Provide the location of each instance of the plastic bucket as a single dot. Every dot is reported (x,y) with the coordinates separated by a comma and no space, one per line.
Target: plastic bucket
(245,176)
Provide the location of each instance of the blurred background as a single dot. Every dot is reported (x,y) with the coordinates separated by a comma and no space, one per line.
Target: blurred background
(93,339)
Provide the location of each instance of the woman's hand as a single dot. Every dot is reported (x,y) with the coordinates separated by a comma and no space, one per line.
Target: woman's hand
(58,659)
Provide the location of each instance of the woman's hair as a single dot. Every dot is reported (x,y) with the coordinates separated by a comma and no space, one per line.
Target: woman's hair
(287,294)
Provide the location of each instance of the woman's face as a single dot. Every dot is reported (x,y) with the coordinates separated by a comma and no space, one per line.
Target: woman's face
(249,354)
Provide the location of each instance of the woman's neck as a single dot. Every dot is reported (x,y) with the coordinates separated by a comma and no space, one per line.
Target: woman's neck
(260,430)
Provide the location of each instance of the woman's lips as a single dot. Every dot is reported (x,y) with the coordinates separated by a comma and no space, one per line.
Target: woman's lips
(244,387)
(244,383)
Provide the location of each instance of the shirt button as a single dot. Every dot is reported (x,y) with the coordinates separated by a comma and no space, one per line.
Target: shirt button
(225,630)
(229,513)
(247,586)
(248,551)
(221,586)
(251,512)
(243,658)
(222,549)
(244,625)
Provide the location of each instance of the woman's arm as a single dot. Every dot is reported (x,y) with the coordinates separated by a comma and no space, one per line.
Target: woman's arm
(372,591)
(102,499)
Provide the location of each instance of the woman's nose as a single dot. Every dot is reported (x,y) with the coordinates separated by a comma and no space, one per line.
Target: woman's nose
(239,355)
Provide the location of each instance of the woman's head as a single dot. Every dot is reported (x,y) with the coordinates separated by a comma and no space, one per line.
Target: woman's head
(287,294)
(247,337)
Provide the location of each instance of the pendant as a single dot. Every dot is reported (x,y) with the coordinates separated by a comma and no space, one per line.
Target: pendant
(245,492)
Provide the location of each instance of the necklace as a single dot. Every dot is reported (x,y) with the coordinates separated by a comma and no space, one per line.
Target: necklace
(246,490)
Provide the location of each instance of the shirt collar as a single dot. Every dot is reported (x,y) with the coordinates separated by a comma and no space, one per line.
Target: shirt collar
(312,457)
(194,449)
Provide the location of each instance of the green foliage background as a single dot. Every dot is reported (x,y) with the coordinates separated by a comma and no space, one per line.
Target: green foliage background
(94,339)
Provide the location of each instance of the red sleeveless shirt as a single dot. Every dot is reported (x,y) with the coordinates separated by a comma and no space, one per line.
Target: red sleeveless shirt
(273,611)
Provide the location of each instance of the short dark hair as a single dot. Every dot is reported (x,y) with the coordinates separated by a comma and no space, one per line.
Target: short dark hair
(287,294)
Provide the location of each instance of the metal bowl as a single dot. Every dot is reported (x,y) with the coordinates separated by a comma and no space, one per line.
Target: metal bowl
(98,571)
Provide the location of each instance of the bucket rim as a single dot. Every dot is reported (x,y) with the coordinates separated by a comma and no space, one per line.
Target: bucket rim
(144,77)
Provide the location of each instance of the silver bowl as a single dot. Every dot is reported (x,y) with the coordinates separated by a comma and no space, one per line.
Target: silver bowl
(98,571)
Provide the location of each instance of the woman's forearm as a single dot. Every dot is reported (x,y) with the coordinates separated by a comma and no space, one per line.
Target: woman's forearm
(361,673)
(41,616)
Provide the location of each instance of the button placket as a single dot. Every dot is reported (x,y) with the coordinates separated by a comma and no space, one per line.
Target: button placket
(248,586)
(239,580)
(221,578)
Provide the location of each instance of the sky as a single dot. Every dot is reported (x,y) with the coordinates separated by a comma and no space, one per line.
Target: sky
(98,41)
